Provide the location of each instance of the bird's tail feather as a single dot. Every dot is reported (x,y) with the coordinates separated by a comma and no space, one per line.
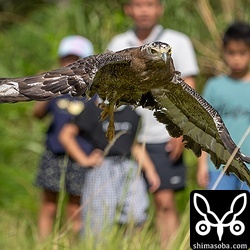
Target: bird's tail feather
(245,158)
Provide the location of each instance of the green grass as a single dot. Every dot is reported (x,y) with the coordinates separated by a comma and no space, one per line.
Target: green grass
(20,205)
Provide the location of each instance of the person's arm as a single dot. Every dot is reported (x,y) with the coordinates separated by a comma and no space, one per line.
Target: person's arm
(175,148)
(202,171)
(40,109)
(141,156)
(67,137)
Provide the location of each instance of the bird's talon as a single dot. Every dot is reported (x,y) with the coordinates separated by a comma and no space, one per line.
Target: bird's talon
(110,132)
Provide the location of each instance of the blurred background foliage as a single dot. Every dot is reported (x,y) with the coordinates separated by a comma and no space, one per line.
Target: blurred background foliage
(29,37)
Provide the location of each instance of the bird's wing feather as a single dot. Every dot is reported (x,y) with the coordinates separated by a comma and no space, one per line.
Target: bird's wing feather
(177,105)
(74,79)
(186,113)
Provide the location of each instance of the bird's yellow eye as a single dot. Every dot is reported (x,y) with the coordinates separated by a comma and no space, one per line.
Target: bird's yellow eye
(153,51)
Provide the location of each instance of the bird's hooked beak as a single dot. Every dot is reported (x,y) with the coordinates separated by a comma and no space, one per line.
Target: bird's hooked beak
(166,54)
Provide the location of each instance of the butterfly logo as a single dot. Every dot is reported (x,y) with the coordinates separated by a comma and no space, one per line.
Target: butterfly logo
(203,227)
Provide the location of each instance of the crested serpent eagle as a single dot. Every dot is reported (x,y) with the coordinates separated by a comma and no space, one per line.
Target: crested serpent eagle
(143,76)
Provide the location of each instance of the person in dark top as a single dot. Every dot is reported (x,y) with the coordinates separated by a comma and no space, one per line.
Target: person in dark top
(115,180)
(53,161)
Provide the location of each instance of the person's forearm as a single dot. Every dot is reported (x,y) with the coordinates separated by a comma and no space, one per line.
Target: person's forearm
(143,158)
(202,171)
(202,160)
(140,154)
(67,137)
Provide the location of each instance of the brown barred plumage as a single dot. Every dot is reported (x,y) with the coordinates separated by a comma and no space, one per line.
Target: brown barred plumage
(140,76)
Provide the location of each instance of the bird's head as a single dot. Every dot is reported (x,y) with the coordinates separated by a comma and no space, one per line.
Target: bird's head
(158,50)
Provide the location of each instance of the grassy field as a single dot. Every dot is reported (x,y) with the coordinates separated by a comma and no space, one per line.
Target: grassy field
(28,47)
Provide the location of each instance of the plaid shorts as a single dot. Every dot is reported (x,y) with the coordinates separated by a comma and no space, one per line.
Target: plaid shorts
(50,171)
(114,192)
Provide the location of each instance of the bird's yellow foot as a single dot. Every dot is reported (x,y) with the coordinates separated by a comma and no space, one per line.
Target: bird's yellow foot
(105,112)
(109,110)
(110,131)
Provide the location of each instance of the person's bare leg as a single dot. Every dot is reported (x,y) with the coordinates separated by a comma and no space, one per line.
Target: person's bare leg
(47,214)
(167,220)
(73,213)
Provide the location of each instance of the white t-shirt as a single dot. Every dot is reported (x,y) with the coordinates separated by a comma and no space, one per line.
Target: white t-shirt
(151,130)
(182,49)
(184,58)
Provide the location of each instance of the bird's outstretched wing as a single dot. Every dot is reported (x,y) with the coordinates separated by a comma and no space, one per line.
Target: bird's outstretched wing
(185,112)
(128,76)
(74,79)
